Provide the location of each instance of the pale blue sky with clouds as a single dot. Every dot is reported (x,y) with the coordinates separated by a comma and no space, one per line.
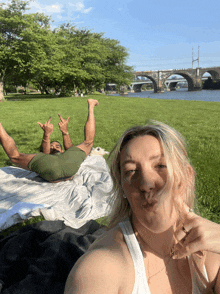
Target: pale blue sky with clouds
(158,34)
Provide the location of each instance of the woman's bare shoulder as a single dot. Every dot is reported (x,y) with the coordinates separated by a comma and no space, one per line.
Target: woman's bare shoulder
(110,239)
(105,261)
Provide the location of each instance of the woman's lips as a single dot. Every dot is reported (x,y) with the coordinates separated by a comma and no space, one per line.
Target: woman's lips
(150,205)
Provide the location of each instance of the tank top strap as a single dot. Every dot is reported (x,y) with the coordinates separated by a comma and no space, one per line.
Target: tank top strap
(141,284)
(199,281)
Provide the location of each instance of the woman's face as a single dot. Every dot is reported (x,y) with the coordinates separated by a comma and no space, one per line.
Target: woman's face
(143,176)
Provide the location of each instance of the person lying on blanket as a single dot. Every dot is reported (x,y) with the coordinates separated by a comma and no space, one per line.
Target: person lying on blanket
(54,164)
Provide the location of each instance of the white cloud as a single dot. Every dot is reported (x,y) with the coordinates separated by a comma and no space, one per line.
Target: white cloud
(87,10)
(38,7)
(79,6)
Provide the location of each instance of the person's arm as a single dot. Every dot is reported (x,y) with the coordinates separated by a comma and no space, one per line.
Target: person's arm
(63,124)
(96,272)
(48,129)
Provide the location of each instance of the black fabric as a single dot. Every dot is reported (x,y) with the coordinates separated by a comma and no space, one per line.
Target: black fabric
(38,258)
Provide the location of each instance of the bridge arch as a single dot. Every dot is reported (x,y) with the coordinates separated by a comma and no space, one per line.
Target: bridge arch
(212,81)
(213,73)
(188,78)
(152,80)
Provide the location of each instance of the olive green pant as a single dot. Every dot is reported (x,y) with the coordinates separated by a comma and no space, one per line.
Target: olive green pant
(59,166)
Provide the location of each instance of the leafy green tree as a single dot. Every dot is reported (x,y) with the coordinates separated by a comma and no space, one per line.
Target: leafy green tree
(63,59)
(11,25)
(81,59)
(116,70)
(89,60)
(24,42)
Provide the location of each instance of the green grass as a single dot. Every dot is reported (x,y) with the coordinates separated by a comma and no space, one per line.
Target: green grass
(197,121)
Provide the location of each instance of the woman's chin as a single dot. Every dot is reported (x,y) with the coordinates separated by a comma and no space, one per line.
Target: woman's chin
(156,222)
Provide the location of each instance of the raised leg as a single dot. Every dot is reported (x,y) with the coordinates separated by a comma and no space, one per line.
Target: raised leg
(8,144)
(89,129)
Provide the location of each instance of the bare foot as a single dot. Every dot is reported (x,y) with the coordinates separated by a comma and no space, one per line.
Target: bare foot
(92,103)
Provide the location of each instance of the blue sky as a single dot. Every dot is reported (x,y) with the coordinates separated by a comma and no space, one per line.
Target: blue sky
(158,34)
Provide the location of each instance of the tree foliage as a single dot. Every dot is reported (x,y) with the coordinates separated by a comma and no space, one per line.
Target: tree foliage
(62,59)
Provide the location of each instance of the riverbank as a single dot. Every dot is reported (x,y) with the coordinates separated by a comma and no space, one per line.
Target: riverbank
(179,94)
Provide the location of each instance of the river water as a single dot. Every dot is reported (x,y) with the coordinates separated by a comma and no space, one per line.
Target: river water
(179,94)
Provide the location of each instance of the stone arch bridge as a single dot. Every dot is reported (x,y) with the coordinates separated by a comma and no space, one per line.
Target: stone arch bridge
(192,75)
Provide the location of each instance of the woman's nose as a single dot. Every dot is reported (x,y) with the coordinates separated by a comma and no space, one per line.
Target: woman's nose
(147,181)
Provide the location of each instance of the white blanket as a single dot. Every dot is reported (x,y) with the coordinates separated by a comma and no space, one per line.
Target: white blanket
(24,194)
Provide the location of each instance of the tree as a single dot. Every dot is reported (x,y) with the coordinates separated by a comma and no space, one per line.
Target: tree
(89,60)
(23,38)
(11,25)
(116,70)
(82,58)
(63,59)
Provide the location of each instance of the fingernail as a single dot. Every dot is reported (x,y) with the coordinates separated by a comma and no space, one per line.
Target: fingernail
(174,256)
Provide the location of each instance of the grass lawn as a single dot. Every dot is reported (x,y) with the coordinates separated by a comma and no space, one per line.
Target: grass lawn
(197,121)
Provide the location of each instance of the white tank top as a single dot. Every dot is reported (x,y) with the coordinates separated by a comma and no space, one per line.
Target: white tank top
(141,285)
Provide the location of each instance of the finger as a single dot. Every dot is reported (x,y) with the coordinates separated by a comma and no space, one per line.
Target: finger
(40,124)
(188,250)
(49,120)
(60,117)
(182,232)
(68,118)
(189,223)
(191,243)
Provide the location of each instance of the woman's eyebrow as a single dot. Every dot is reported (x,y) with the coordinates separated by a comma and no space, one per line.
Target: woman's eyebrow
(157,156)
(127,161)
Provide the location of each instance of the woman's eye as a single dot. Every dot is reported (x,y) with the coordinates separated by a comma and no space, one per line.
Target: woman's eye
(129,172)
(161,166)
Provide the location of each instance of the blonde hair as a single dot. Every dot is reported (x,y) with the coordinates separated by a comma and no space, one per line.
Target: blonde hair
(181,175)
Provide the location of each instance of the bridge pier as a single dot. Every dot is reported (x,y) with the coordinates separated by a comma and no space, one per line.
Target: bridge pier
(195,89)
(159,90)
(159,87)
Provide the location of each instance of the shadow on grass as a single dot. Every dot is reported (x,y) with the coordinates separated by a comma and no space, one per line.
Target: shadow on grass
(20,225)
(27,97)
(7,162)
